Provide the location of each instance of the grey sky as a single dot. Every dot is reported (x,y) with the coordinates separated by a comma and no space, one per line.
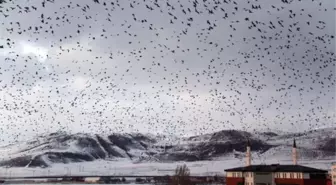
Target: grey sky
(125,75)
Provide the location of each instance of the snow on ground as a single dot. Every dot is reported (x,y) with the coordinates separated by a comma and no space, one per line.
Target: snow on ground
(126,167)
(36,146)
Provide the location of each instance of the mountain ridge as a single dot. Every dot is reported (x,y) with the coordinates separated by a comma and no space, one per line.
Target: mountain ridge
(60,147)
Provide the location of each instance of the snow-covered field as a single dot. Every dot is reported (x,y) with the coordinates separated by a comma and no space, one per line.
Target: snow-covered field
(125,167)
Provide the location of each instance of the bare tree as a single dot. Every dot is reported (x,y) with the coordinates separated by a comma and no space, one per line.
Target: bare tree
(181,176)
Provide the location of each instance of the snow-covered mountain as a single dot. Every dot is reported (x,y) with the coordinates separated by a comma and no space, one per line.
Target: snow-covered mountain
(56,148)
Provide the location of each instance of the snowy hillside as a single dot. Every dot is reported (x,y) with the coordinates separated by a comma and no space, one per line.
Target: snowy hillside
(62,148)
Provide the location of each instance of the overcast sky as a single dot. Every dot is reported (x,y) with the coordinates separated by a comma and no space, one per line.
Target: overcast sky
(167,68)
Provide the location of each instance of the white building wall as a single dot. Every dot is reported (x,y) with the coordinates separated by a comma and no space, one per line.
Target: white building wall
(295,175)
(92,179)
(234,174)
(273,178)
(249,178)
(333,174)
(298,175)
(228,174)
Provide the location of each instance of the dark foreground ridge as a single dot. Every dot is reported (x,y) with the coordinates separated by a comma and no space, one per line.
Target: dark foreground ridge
(110,179)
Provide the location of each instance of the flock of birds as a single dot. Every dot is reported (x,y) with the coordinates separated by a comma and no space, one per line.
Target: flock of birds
(171,66)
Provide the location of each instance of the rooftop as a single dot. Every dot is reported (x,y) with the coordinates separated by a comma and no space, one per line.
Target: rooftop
(276,168)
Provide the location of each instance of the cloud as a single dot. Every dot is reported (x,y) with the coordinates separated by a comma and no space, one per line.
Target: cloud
(80,82)
(162,70)
(41,53)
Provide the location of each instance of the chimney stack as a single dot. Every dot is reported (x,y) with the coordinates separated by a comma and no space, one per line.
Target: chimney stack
(248,153)
(294,153)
